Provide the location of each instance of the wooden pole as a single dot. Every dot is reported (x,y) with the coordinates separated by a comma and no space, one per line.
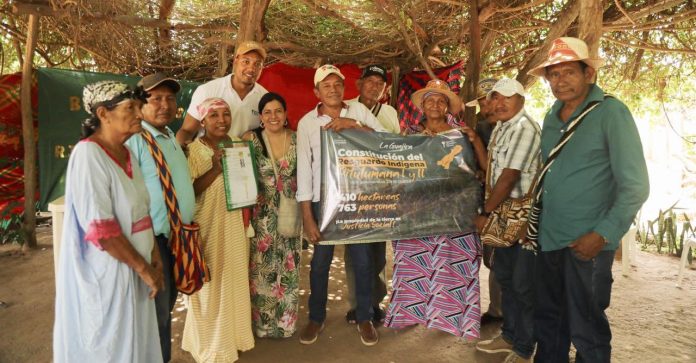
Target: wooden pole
(29,227)
(396,77)
(473,66)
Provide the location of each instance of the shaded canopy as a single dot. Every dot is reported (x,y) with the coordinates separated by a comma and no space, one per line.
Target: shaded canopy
(194,40)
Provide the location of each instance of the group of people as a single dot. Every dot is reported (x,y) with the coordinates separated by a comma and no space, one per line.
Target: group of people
(131,181)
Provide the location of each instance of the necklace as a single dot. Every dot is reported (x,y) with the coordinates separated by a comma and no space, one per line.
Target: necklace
(285,139)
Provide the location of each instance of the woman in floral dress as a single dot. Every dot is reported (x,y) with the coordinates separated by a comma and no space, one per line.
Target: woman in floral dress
(274,263)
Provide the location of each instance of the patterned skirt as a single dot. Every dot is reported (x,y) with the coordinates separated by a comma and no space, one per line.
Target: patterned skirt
(436,284)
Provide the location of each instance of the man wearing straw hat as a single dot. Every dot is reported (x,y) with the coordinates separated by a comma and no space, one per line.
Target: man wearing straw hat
(593,182)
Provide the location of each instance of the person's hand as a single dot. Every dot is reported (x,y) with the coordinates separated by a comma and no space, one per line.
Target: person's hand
(341,123)
(153,278)
(157,263)
(480,222)
(588,246)
(311,230)
(217,160)
(470,133)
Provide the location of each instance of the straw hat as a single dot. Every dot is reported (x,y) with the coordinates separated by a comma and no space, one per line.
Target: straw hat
(440,87)
(567,49)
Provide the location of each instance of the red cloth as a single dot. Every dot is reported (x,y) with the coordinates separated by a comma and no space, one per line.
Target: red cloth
(11,146)
(296,86)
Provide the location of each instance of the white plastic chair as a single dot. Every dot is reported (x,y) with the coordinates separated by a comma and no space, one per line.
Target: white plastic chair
(628,250)
(688,242)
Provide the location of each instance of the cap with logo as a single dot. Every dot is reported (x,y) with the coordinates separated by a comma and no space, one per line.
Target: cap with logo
(374,70)
(324,71)
(482,89)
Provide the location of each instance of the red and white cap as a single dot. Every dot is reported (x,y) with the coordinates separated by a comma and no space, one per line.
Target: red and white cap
(567,49)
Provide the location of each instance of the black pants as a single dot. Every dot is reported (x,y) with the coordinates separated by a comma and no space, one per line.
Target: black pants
(165,299)
(572,296)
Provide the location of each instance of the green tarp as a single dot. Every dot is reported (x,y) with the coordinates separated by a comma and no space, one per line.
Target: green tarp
(60,115)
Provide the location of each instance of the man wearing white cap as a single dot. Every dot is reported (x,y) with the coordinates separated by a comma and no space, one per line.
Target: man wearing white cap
(330,114)
(593,183)
(239,89)
(514,160)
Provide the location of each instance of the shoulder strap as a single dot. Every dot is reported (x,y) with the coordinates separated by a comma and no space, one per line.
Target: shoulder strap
(572,126)
(166,181)
(375,110)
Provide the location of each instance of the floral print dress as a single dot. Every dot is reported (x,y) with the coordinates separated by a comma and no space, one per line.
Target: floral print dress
(275,260)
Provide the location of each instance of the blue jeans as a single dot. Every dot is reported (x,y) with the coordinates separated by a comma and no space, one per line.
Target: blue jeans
(361,255)
(165,299)
(572,296)
(514,269)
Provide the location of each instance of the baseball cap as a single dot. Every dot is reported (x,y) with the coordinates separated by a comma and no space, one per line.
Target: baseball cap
(324,71)
(374,70)
(507,87)
(248,46)
(482,89)
(153,80)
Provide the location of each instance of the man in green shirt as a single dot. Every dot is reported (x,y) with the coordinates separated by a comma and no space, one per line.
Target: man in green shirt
(590,195)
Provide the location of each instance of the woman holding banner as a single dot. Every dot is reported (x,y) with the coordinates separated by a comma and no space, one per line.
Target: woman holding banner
(274,268)
(218,321)
(435,281)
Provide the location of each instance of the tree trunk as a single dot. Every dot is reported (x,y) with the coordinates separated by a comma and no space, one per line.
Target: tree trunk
(29,227)
(590,24)
(473,66)
(251,26)
(558,29)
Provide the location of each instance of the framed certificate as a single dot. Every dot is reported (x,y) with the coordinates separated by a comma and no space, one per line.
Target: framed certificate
(239,173)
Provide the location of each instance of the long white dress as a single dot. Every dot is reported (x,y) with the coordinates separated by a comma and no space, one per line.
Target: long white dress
(103,313)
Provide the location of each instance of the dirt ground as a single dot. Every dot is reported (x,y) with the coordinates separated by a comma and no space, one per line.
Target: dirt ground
(652,320)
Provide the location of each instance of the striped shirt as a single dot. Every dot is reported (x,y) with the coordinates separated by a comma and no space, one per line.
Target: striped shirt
(515,144)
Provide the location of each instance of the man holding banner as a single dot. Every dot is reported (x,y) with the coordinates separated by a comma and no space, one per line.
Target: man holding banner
(330,114)
(371,86)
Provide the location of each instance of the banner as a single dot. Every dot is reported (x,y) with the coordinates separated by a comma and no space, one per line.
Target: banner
(380,186)
(60,115)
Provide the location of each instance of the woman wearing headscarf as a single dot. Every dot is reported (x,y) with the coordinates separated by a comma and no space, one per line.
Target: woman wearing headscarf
(435,279)
(275,259)
(109,266)
(218,321)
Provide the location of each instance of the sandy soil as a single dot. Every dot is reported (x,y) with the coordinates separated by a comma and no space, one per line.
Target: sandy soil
(652,320)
